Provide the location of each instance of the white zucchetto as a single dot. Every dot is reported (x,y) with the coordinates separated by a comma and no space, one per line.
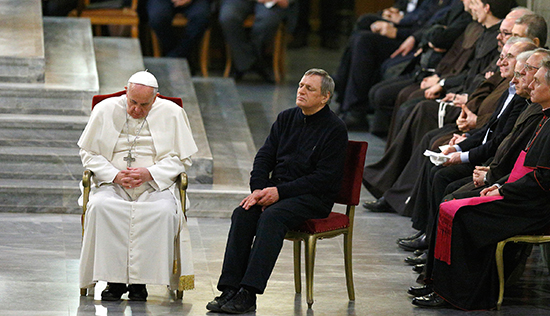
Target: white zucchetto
(144,78)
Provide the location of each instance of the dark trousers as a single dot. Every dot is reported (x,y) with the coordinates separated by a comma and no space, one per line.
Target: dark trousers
(382,98)
(256,237)
(430,190)
(359,68)
(161,13)
(246,49)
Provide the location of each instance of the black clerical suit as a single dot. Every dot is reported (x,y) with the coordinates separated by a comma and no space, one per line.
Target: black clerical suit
(430,187)
(303,157)
(470,280)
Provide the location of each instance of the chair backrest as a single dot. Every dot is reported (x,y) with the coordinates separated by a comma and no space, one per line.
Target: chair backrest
(350,191)
(100,97)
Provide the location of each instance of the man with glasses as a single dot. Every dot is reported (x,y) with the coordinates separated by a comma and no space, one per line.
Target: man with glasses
(507,152)
(465,151)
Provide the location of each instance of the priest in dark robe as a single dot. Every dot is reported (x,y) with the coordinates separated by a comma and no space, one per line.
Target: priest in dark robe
(461,263)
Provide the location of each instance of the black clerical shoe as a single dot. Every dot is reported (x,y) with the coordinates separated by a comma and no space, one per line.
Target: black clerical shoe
(413,244)
(418,291)
(411,237)
(263,70)
(418,268)
(355,120)
(379,206)
(138,292)
(216,304)
(416,260)
(113,291)
(430,300)
(243,302)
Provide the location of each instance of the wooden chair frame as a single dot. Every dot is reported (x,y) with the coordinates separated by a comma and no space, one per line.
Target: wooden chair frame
(279,51)
(181,21)
(310,241)
(109,16)
(530,239)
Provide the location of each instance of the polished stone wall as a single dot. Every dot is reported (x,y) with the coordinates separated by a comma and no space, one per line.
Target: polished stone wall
(541,7)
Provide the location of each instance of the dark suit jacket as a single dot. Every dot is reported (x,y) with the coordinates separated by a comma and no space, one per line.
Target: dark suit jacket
(514,143)
(496,129)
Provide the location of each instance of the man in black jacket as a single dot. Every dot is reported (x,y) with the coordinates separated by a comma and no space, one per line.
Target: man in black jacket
(293,179)
(466,152)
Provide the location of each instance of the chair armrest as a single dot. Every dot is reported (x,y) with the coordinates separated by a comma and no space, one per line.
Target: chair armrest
(86,184)
(182,182)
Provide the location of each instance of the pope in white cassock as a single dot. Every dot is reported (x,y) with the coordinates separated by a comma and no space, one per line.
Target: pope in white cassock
(136,145)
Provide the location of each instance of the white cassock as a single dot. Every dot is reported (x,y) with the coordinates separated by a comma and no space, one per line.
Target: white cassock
(134,235)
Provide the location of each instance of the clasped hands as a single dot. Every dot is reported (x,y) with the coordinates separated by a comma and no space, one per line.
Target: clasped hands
(384,28)
(264,198)
(454,159)
(132,177)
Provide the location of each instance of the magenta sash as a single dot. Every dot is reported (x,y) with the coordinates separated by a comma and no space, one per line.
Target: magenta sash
(447,211)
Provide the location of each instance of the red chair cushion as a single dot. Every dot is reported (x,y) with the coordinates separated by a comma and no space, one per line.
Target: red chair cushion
(332,222)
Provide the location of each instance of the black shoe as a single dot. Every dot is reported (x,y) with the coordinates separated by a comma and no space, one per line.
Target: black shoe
(412,245)
(430,300)
(355,120)
(417,260)
(299,40)
(411,237)
(243,302)
(263,70)
(379,206)
(418,291)
(418,252)
(419,268)
(219,301)
(138,292)
(331,42)
(113,291)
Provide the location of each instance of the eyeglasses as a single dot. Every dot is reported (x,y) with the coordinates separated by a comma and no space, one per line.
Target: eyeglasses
(508,57)
(528,67)
(505,34)
(517,75)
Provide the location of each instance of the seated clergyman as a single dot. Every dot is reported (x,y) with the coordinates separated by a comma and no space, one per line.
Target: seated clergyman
(136,145)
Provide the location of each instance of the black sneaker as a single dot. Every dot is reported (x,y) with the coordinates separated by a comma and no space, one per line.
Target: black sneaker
(113,291)
(216,304)
(243,302)
(138,292)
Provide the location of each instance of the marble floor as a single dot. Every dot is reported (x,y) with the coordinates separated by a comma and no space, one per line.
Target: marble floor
(39,252)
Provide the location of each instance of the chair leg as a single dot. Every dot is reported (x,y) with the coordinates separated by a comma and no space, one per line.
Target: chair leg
(205,52)
(310,264)
(135,31)
(179,294)
(500,269)
(277,54)
(155,44)
(83,291)
(348,266)
(227,61)
(297,268)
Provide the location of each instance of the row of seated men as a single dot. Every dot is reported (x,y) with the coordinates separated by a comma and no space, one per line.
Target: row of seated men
(247,48)
(470,169)
(135,232)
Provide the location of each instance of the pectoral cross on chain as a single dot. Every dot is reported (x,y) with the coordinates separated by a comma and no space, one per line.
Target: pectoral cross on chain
(129,159)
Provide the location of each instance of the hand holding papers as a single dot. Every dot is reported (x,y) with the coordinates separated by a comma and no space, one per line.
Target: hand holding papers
(437,158)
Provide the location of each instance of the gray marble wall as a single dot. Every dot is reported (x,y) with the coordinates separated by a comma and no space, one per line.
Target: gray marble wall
(541,7)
